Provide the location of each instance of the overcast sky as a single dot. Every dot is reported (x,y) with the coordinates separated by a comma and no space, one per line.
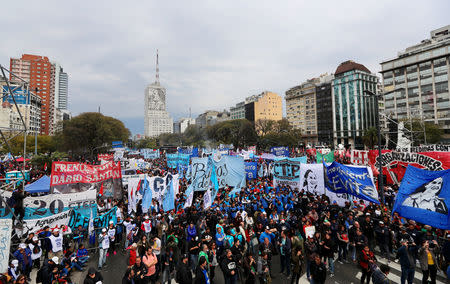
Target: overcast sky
(212,53)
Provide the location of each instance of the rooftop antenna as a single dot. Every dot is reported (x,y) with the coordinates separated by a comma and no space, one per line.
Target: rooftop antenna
(157,67)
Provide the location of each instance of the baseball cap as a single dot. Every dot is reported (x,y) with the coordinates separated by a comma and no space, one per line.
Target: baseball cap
(111,222)
(381,222)
(55,259)
(146,217)
(35,238)
(23,246)
(104,230)
(15,262)
(56,230)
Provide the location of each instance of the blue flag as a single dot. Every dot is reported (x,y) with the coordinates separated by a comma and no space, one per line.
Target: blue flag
(147,196)
(355,181)
(214,181)
(169,199)
(424,196)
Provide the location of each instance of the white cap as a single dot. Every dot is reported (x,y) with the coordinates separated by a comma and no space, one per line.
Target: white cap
(56,230)
(35,238)
(104,230)
(111,222)
(15,262)
(23,246)
(146,217)
(55,259)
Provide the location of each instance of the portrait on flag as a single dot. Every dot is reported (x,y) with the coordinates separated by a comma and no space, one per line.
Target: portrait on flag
(311,178)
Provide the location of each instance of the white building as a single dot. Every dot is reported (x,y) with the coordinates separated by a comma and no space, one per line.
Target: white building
(157,119)
(181,125)
(61,87)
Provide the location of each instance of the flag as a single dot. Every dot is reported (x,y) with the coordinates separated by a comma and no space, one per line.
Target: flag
(45,166)
(169,198)
(207,199)
(101,190)
(356,181)
(424,196)
(190,198)
(214,181)
(329,157)
(261,171)
(91,230)
(147,195)
(132,189)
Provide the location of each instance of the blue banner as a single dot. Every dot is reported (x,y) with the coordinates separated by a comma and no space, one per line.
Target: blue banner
(78,219)
(173,160)
(424,196)
(355,181)
(168,202)
(229,170)
(191,152)
(286,172)
(280,151)
(150,153)
(117,144)
(251,170)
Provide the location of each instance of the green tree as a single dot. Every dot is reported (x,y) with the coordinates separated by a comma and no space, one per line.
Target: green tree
(148,142)
(432,132)
(264,126)
(194,136)
(239,132)
(370,137)
(89,131)
(45,144)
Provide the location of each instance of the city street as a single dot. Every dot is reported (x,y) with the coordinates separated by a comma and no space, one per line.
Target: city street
(344,273)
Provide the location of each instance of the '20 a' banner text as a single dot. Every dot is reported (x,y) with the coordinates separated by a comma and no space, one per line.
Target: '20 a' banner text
(70,177)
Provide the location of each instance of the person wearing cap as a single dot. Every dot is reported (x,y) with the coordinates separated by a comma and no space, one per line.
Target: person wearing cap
(268,233)
(13,269)
(103,243)
(184,275)
(46,244)
(383,238)
(93,277)
(36,251)
(112,238)
(146,226)
(56,240)
(23,255)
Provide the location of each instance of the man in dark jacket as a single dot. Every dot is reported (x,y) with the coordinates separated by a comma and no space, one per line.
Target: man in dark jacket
(201,273)
(49,267)
(18,196)
(93,276)
(139,271)
(406,255)
(229,268)
(318,271)
(285,253)
(184,275)
(383,235)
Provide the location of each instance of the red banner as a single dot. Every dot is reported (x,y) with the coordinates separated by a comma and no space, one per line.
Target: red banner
(105,157)
(68,177)
(395,163)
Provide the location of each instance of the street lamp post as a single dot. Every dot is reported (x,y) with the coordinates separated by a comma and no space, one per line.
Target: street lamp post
(377,110)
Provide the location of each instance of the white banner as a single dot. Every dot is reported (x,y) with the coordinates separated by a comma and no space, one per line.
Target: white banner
(311,178)
(51,204)
(53,221)
(5,242)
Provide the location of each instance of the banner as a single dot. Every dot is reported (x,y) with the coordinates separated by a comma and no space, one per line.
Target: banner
(328,157)
(173,160)
(158,185)
(280,151)
(5,237)
(78,219)
(116,144)
(359,157)
(70,177)
(230,171)
(53,221)
(356,181)
(150,153)
(312,179)
(424,196)
(427,148)
(118,154)
(104,158)
(251,170)
(168,200)
(286,172)
(192,152)
(395,163)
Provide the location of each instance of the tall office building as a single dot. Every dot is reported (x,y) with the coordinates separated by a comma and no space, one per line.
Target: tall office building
(353,111)
(37,71)
(324,109)
(157,119)
(419,77)
(48,81)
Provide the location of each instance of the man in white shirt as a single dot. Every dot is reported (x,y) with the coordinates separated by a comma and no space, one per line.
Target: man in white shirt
(103,243)
(129,226)
(56,240)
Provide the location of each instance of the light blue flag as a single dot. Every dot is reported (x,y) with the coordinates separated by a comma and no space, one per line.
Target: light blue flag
(261,171)
(169,199)
(214,181)
(424,196)
(355,181)
(147,197)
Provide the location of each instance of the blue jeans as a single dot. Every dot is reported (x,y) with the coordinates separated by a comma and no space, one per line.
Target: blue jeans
(308,268)
(194,260)
(102,257)
(83,259)
(331,264)
(407,275)
(76,265)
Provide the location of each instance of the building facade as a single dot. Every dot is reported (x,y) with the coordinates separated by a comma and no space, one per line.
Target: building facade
(419,79)
(48,81)
(238,111)
(181,125)
(29,106)
(324,107)
(9,118)
(157,119)
(353,111)
(301,109)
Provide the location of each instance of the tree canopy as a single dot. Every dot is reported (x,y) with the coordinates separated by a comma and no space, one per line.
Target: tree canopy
(90,131)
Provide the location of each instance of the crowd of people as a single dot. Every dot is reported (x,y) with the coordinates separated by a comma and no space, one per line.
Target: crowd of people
(241,236)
